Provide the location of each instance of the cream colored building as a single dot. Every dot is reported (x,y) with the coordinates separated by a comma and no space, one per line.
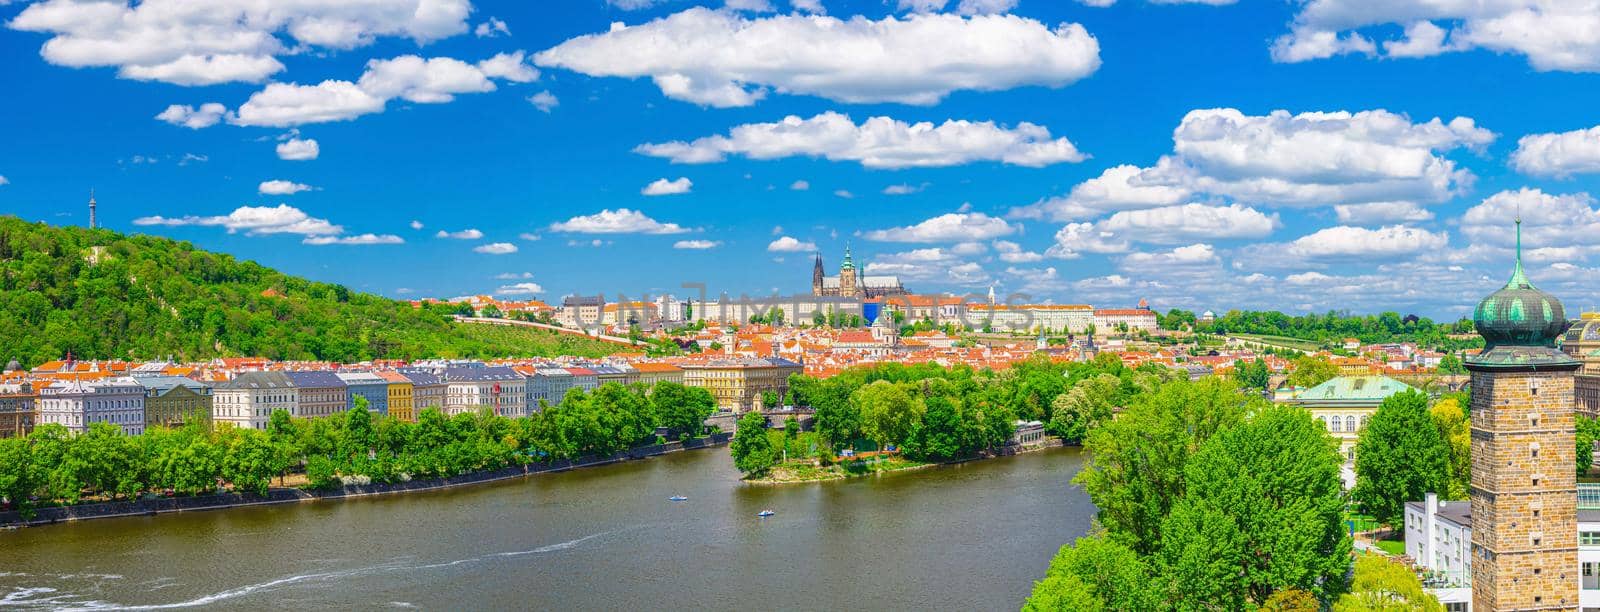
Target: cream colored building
(738,384)
(248,400)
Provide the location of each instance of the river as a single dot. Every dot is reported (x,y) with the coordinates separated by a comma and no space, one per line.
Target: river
(966,537)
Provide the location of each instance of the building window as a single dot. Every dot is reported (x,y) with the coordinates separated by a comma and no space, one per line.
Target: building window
(1350,423)
(1588,538)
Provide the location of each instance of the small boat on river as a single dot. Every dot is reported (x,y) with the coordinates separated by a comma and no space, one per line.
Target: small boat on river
(678,498)
(765,513)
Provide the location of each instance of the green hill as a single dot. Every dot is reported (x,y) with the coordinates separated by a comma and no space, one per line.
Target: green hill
(101,294)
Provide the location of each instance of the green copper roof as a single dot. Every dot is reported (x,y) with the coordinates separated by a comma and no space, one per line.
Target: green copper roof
(1520,324)
(848,263)
(1351,390)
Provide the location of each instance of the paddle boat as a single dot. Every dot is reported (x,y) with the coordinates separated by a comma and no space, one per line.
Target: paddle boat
(765,513)
(678,498)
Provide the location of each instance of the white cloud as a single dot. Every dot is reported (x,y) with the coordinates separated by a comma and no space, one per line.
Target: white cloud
(416,225)
(1568,222)
(4,180)
(224,40)
(1191,256)
(281,187)
(844,193)
(544,101)
(810,6)
(758,6)
(530,237)
(791,245)
(358,239)
(949,227)
(620,221)
(1345,241)
(491,28)
(662,186)
(933,265)
(904,189)
(207,115)
(255,220)
(1011,252)
(520,289)
(721,58)
(1560,155)
(1382,212)
(1118,188)
(297,149)
(1175,224)
(920,6)
(513,276)
(1075,239)
(696,245)
(466,234)
(800,185)
(879,142)
(408,77)
(496,248)
(1561,35)
(985,7)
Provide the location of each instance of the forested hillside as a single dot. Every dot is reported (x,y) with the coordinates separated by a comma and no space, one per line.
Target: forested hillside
(101,294)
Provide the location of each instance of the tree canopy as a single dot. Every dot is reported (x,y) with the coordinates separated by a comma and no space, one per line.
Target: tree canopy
(1400,457)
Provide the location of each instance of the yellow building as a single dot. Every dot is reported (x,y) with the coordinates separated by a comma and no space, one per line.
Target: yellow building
(401,402)
(1343,405)
(738,384)
(174,401)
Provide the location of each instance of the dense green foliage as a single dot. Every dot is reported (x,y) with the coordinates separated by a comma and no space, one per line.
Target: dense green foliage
(1450,418)
(101,294)
(1384,585)
(1400,457)
(1210,499)
(753,452)
(356,446)
(1333,327)
(1307,371)
(1252,374)
(1588,433)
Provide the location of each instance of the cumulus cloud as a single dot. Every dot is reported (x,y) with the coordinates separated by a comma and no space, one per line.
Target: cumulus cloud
(466,234)
(1382,212)
(1359,242)
(492,28)
(810,6)
(544,101)
(949,227)
(786,244)
(224,40)
(254,220)
(495,248)
(696,245)
(4,180)
(800,185)
(407,77)
(935,265)
(1567,226)
(724,59)
(416,225)
(1011,252)
(1075,239)
(1118,188)
(1560,154)
(904,189)
(1552,35)
(1175,224)
(209,114)
(662,186)
(520,289)
(619,221)
(879,142)
(298,149)
(281,187)
(1191,256)
(358,239)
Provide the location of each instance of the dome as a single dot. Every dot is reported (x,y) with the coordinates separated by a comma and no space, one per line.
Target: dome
(1519,314)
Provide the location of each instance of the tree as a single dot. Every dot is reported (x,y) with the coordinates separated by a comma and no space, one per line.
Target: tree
(751,447)
(1252,375)
(944,433)
(16,471)
(1263,510)
(889,412)
(680,408)
(1382,585)
(1136,461)
(1400,457)
(1291,600)
(1588,433)
(1309,371)
(1090,402)
(1456,432)
(1095,573)
(1451,364)
(251,461)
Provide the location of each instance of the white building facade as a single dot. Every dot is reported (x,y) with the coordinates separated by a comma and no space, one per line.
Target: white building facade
(248,400)
(77,404)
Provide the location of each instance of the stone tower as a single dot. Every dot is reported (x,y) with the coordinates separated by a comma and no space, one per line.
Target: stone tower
(1524,490)
(847,276)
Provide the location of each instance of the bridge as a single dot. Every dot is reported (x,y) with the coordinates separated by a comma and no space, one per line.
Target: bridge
(544,326)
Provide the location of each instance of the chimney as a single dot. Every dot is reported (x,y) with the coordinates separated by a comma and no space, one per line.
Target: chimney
(1430,510)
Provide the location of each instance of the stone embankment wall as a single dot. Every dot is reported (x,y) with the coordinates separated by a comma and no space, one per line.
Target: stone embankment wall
(282,496)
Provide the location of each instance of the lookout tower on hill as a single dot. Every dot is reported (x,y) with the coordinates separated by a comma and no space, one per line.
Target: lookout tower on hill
(1524,490)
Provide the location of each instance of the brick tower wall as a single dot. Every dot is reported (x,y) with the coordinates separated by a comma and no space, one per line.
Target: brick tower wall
(1524,492)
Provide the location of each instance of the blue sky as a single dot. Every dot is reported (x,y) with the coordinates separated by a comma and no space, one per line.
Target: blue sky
(1108,153)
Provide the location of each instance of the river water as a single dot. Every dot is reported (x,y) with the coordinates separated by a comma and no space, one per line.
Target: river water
(967,537)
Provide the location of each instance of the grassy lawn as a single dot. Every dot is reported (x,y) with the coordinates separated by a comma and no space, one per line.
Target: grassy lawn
(1281,341)
(798,471)
(1394,547)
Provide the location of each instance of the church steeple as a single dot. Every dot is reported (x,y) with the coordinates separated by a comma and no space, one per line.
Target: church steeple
(848,264)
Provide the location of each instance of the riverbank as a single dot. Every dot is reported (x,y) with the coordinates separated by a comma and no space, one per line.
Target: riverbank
(807,472)
(221,501)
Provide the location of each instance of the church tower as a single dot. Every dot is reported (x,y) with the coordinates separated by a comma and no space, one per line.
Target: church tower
(1524,490)
(816,277)
(847,276)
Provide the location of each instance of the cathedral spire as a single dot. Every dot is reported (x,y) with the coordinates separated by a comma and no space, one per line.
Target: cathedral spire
(848,264)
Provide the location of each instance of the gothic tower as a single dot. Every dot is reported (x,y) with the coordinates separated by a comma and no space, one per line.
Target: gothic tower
(847,276)
(1524,490)
(816,277)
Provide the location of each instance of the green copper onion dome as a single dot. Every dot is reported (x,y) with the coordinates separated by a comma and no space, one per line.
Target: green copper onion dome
(1519,315)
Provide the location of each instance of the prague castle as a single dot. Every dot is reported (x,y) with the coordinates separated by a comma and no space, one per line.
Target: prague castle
(851,285)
